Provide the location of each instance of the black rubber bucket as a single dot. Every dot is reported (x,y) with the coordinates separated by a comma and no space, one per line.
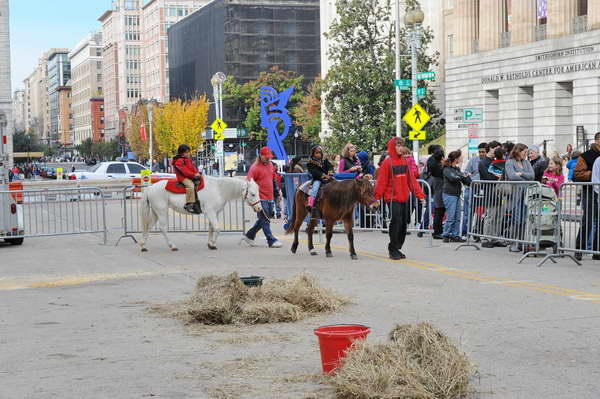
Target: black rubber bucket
(252,281)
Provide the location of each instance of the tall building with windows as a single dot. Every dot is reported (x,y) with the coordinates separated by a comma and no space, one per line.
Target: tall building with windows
(65,115)
(530,68)
(157,17)
(86,83)
(59,73)
(121,62)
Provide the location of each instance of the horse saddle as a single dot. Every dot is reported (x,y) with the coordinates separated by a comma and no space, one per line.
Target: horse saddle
(175,187)
(307,186)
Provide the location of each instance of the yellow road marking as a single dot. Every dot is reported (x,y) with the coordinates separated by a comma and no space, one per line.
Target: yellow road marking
(474,276)
(65,281)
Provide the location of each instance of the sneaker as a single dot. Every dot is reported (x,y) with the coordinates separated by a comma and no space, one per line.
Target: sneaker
(499,244)
(402,256)
(438,237)
(190,208)
(248,241)
(446,240)
(487,244)
(276,244)
(457,239)
(578,256)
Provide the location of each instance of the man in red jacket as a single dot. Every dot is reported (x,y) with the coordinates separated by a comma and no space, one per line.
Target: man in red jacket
(264,174)
(187,174)
(394,184)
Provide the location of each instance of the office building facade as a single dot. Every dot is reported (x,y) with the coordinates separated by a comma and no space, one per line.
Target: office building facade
(529,68)
(59,73)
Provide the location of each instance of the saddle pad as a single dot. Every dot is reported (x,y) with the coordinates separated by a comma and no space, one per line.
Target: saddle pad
(175,188)
(305,187)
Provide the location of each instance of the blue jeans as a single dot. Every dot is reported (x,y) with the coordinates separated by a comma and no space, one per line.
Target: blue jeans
(452,225)
(263,223)
(466,210)
(315,188)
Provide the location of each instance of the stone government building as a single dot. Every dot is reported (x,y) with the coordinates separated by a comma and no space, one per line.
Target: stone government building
(532,66)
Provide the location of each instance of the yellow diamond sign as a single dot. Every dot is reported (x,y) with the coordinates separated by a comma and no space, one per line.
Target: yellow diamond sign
(416,118)
(417,135)
(218,125)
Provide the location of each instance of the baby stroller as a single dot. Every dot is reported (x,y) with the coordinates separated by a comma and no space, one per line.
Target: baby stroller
(542,216)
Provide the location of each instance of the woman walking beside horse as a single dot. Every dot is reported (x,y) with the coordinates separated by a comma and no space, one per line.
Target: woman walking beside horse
(394,184)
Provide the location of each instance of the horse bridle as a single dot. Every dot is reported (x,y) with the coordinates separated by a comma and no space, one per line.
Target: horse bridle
(246,195)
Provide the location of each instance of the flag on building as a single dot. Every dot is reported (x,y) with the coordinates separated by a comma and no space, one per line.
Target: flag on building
(143,132)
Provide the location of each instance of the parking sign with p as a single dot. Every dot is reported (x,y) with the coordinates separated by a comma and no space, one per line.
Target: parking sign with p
(473,115)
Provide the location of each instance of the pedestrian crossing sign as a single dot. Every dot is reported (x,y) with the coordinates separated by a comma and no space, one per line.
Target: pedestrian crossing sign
(416,118)
(417,135)
(218,126)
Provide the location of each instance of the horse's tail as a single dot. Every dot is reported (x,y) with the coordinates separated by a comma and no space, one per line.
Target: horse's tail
(292,222)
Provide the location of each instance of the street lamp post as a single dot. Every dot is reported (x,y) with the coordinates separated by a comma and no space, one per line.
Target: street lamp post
(217,83)
(150,106)
(398,73)
(414,18)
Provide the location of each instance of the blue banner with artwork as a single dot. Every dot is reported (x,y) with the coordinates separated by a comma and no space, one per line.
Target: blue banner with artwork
(275,118)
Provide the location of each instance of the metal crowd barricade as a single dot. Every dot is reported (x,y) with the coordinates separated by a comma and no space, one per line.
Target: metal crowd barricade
(232,219)
(372,219)
(59,211)
(509,212)
(577,227)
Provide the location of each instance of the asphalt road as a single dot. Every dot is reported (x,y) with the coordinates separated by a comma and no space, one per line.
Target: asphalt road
(75,319)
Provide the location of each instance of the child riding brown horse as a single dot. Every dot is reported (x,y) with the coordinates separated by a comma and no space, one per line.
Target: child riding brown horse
(338,201)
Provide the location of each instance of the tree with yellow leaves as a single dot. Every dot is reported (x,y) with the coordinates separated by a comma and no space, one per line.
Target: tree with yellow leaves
(178,122)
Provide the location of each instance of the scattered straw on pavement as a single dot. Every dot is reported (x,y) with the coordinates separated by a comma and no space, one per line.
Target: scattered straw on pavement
(419,362)
(226,300)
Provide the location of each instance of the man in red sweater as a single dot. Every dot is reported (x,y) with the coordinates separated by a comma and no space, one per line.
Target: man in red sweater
(263,173)
(394,184)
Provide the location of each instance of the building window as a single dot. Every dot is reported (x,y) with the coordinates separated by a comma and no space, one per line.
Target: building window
(582,7)
(542,12)
(131,4)
(450,45)
(99,64)
(132,36)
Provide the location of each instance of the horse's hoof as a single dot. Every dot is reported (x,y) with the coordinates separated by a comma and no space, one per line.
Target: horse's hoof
(144,249)
(212,247)
(354,257)
(313,252)
(174,249)
(329,255)
(294,249)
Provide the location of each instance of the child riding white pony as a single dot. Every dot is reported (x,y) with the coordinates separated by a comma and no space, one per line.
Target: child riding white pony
(156,202)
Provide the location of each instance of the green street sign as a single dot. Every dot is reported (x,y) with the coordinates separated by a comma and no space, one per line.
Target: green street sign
(425,75)
(421,92)
(242,132)
(403,84)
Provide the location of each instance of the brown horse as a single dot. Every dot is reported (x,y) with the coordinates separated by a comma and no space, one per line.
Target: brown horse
(337,203)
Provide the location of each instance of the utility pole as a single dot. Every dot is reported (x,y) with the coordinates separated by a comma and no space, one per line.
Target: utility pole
(414,18)
(151,139)
(398,74)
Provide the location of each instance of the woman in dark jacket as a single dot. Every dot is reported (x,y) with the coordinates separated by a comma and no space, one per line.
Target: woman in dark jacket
(436,182)
(320,170)
(453,182)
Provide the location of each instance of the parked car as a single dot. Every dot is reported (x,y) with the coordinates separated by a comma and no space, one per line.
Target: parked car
(114,170)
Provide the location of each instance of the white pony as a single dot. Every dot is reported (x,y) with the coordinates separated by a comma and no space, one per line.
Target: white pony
(156,202)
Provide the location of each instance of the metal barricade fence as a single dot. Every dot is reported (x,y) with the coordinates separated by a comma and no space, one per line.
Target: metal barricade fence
(371,219)
(232,219)
(57,211)
(510,213)
(578,215)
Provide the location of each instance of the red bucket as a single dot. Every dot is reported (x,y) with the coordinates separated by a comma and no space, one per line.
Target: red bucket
(335,340)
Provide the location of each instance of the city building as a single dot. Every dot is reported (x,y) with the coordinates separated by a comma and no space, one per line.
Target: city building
(86,84)
(526,71)
(434,19)
(121,62)
(59,73)
(19,111)
(242,38)
(65,115)
(5,82)
(36,94)
(156,18)
(97,107)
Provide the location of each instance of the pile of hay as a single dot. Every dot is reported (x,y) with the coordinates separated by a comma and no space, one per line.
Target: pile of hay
(419,362)
(226,300)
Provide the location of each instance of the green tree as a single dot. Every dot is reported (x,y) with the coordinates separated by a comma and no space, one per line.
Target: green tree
(308,113)
(360,94)
(86,148)
(26,142)
(244,99)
